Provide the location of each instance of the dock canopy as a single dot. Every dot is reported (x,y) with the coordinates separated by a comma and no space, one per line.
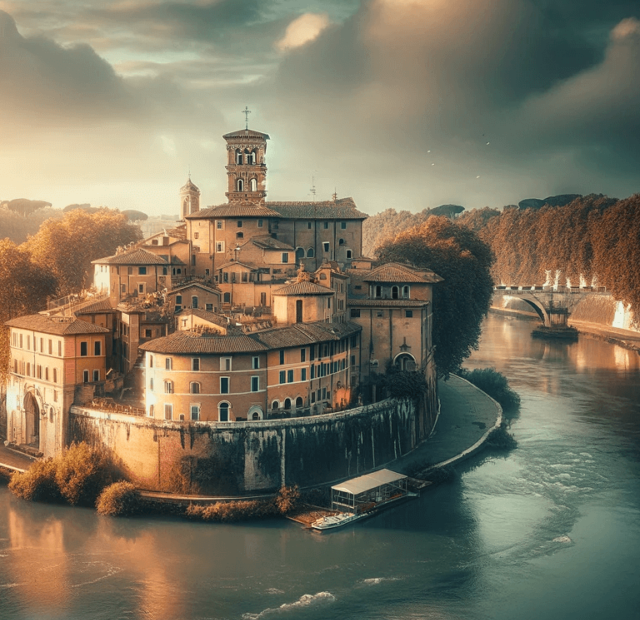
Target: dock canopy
(368,491)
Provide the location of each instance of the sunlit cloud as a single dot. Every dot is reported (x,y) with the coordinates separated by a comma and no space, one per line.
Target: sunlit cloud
(302,30)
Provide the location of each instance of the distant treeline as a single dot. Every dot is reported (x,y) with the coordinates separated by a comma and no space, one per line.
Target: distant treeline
(572,236)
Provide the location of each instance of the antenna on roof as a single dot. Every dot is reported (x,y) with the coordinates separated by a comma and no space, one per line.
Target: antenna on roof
(246,113)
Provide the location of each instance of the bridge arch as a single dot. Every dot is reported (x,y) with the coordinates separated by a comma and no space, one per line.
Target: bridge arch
(539,308)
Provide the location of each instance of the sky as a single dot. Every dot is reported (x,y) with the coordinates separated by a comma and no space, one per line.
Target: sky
(402,104)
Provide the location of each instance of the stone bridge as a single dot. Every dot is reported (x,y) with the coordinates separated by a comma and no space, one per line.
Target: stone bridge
(552,304)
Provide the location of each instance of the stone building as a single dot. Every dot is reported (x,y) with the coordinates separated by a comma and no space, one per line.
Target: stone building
(243,312)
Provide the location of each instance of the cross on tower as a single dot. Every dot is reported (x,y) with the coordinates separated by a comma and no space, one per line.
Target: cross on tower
(246,113)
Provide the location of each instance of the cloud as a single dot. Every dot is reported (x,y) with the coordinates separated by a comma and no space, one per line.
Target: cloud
(302,30)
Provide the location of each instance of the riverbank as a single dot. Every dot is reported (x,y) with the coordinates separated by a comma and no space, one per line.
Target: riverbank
(625,338)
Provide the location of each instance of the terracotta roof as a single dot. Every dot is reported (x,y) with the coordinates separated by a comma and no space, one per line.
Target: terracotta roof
(56,325)
(269,243)
(212,317)
(393,272)
(208,289)
(97,307)
(189,185)
(303,288)
(386,303)
(243,209)
(246,133)
(302,334)
(134,257)
(343,209)
(188,342)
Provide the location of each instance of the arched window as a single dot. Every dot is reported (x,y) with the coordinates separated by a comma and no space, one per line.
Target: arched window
(251,157)
(299,402)
(310,253)
(223,412)
(253,185)
(195,388)
(299,253)
(340,241)
(240,185)
(238,156)
(323,276)
(405,292)
(287,403)
(394,292)
(405,361)
(275,405)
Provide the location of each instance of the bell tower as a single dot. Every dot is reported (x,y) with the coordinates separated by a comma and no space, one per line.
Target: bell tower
(246,170)
(189,199)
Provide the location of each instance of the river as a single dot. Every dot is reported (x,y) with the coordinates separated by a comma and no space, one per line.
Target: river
(550,530)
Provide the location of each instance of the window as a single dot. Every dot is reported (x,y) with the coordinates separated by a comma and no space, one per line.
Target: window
(290,376)
(349,254)
(168,387)
(219,246)
(84,349)
(341,241)
(97,347)
(354,340)
(378,291)
(343,225)
(275,405)
(282,356)
(260,223)
(141,288)
(353,360)
(239,235)
(220,224)
(46,373)
(179,299)
(225,363)
(147,333)
(255,363)
(129,271)
(96,375)
(142,271)
(238,156)
(168,364)
(59,347)
(226,298)
(405,292)
(312,352)
(41,345)
(85,375)
(253,185)
(194,388)
(240,185)
(380,314)
(283,376)
(39,371)
(151,384)
(355,313)
(325,246)
(239,223)
(287,403)
(223,412)
(310,253)
(150,361)
(394,292)
(313,371)
(303,374)
(193,258)
(21,341)
(303,355)
(50,346)
(309,225)
(195,412)
(255,384)
(196,235)
(285,257)
(224,385)
(195,364)
(168,411)
(55,375)
(194,302)
(408,313)
(207,272)
(325,225)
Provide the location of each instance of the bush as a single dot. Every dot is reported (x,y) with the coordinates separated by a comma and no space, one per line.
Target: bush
(38,483)
(233,511)
(501,439)
(495,384)
(82,472)
(120,499)
(287,499)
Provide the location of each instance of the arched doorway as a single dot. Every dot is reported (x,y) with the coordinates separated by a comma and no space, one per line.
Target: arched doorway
(405,361)
(32,419)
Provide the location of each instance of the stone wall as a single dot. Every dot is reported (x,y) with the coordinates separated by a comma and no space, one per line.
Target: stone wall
(244,457)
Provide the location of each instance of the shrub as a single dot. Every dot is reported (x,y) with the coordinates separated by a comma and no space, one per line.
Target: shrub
(287,499)
(495,384)
(501,439)
(233,511)
(120,499)
(82,472)
(38,483)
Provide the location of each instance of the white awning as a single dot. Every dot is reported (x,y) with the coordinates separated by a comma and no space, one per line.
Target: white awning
(355,486)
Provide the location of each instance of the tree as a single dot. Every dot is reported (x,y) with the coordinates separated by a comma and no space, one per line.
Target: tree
(25,207)
(135,216)
(449,211)
(70,244)
(460,303)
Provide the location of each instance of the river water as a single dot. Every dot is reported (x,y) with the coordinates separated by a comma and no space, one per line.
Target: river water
(549,530)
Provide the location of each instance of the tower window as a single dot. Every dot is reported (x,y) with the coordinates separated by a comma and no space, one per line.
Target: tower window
(253,185)
(238,156)
(240,185)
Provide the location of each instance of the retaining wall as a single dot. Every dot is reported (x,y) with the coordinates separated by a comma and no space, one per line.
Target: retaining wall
(233,459)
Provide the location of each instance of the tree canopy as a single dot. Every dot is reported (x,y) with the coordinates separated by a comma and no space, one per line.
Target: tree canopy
(135,216)
(24,206)
(457,254)
(67,246)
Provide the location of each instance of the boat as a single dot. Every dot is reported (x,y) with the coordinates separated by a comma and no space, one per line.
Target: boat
(328,523)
